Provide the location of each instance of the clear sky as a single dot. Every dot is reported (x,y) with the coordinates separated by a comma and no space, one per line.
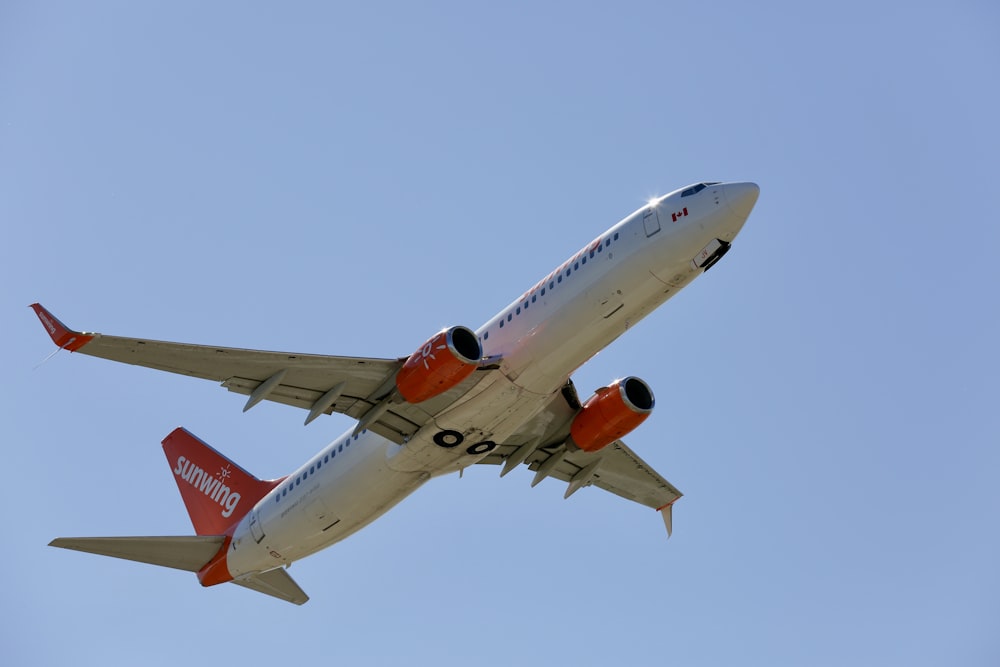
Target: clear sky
(349,178)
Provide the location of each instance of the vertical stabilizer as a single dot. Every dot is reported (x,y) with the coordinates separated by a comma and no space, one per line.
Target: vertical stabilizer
(216,491)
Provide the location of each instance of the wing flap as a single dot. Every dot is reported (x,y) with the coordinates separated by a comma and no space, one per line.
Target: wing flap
(619,471)
(623,473)
(187,552)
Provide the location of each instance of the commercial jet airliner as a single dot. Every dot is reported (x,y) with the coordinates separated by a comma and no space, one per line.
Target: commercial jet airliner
(501,395)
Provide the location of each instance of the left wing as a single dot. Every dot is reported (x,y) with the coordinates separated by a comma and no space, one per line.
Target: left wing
(354,386)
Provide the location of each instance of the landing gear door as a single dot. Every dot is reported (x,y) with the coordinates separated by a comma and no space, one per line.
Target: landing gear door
(651,222)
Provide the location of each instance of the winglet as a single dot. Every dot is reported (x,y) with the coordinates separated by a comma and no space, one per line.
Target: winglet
(668,517)
(61,335)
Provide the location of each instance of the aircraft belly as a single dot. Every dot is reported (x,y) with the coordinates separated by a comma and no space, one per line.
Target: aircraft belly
(492,415)
(342,501)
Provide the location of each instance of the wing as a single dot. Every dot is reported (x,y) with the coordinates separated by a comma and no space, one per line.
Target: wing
(539,444)
(354,386)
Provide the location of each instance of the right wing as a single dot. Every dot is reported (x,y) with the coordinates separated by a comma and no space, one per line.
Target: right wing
(539,444)
(321,384)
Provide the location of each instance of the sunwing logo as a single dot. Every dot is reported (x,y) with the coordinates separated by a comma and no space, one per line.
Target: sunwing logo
(212,487)
(47,323)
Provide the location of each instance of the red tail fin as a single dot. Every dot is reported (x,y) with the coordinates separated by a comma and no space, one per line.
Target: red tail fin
(216,491)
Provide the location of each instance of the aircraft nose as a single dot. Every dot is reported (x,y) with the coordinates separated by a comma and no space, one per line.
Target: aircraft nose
(741,197)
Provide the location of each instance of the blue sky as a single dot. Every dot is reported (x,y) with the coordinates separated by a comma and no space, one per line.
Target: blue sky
(349,179)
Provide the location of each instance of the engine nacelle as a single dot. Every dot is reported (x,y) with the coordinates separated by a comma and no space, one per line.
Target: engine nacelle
(439,364)
(611,413)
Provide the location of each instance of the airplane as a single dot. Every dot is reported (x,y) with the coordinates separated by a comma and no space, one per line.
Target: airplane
(500,395)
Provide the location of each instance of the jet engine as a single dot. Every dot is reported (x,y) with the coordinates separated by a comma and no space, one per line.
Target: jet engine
(611,413)
(439,364)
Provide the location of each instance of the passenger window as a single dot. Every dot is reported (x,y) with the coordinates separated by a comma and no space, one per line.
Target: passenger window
(607,242)
(519,310)
(501,324)
(509,316)
(584,260)
(552,284)
(486,335)
(533,297)
(576,266)
(559,279)
(616,236)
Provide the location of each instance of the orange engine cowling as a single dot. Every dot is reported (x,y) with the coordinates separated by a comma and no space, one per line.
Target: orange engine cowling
(439,364)
(611,413)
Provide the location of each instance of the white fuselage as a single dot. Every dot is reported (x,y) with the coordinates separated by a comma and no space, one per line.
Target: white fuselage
(540,339)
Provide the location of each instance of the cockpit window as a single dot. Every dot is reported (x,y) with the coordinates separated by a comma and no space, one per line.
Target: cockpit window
(693,190)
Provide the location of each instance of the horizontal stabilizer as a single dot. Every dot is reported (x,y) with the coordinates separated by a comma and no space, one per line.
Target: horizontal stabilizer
(276,583)
(188,553)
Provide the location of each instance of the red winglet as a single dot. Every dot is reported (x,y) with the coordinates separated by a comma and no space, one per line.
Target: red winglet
(62,336)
